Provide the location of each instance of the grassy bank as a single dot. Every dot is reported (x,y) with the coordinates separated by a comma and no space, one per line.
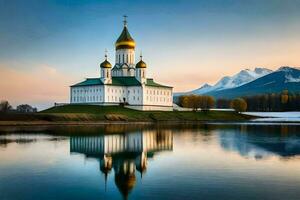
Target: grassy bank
(93,113)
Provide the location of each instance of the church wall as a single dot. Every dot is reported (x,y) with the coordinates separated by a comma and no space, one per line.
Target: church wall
(87,94)
(115,94)
(157,96)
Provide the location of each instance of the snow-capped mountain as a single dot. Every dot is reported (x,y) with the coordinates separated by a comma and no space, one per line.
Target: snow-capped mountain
(285,78)
(227,82)
(241,78)
(289,75)
(203,89)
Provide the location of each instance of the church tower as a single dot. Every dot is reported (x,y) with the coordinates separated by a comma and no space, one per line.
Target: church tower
(125,53)
(105,68)
(140,71)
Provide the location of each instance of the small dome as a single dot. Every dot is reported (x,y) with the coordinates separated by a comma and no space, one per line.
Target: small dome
(141,64)
(105,64)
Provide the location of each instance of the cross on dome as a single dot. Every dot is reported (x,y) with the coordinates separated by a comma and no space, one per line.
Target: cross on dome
(125,20)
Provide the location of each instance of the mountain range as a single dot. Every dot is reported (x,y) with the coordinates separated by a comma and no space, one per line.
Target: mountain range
(252,82)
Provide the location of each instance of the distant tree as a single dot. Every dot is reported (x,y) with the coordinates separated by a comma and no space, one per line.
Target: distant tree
(25,108)
(223,103)
(207,102)
(239,105)
(183,101)
(284,97)
(197,101)
(5,106)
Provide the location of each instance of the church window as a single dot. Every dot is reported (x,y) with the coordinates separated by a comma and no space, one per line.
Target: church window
(123,58)
(107,74)
(119,58)
(127,58)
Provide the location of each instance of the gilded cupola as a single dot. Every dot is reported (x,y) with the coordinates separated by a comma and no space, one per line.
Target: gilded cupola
(105,63)
(141,63)
(125,41)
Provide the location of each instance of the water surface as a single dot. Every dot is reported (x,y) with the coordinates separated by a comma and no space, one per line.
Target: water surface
(151,162)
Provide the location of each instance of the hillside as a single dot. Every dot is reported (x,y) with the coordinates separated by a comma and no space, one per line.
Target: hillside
(93,113)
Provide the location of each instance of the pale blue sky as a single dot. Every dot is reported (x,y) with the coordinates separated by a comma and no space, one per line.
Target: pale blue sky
(185,43)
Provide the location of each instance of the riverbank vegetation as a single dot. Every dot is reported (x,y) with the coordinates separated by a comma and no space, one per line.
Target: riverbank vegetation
(284,101)
(94,113)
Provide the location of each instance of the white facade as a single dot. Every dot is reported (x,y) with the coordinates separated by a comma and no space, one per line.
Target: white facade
(125,83)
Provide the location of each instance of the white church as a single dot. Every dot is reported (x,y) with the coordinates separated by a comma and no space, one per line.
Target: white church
(125,83)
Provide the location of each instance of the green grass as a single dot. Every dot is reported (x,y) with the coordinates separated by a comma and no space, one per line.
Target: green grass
(117,113)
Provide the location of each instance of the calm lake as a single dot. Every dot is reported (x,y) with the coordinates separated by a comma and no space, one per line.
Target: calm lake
(241,161)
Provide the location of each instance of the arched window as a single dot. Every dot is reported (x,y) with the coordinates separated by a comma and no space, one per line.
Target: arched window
(107,74)
(127,58)
(123,58)
(119,61)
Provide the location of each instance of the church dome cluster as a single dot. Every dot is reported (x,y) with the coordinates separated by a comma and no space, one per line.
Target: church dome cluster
(123,81)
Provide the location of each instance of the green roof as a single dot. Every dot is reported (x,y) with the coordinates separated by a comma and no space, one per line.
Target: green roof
(89,81)
(150,82)
(125,81)
(119,81)
(125,36)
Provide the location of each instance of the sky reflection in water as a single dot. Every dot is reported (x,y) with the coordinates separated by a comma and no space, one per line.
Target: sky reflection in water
(189,162)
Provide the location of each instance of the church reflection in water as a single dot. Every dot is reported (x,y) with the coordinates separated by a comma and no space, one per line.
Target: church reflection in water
(124,153)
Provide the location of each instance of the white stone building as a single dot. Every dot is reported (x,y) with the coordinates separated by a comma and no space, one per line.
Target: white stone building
(125,83)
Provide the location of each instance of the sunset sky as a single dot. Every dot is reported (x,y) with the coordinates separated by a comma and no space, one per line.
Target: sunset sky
(48,45)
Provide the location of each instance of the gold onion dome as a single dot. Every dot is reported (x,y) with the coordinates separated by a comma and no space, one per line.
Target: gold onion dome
(141,64)
(105,64)
(125,41)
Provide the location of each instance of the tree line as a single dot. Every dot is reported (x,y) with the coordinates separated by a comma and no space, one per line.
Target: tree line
(276,102)
(5,107)
(283,101)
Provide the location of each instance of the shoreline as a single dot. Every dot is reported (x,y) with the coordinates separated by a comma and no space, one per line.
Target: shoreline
(97,123)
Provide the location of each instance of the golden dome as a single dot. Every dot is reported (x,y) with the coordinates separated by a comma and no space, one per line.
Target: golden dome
(105,64)
(141,64)
(125,183)
(125,40)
